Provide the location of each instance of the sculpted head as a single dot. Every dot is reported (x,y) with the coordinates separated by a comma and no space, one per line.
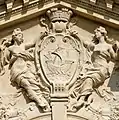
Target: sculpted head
(99,33)
(17,36)
(6,42)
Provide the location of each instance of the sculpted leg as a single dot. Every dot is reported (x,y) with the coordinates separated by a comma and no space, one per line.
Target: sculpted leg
(40,100)
(85,91)
(86,88)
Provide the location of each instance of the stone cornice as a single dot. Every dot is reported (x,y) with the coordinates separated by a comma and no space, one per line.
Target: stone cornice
(37,7)
(95,12)
(94,8)
(22,13)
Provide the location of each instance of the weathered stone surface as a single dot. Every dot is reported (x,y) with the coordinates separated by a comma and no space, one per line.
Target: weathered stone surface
(59,66)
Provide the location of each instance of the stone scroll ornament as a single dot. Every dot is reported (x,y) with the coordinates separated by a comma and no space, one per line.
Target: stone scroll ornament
(61,65)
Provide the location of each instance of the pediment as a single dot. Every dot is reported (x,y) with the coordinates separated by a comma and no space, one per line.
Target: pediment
(59,60)
(105,11)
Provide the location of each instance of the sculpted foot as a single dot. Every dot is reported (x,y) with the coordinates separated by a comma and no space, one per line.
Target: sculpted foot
(78,106)
(47,108)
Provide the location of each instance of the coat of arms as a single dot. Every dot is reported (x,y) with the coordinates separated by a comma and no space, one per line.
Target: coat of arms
(60,70)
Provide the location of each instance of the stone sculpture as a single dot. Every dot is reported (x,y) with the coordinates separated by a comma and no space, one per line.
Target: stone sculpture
(97,71)
(3,60)
(60,66)
(21,64)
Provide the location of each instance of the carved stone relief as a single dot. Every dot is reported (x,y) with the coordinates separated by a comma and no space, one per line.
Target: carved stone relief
(60,75)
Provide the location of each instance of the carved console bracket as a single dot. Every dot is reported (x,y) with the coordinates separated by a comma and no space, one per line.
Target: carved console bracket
(93,1)
(9,5)
(59,101)
(26,2)
(109,4)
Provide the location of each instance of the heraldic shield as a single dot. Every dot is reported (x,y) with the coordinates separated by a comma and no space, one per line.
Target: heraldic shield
(58,58)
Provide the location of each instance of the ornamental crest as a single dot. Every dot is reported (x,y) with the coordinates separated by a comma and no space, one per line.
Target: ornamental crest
(59,58)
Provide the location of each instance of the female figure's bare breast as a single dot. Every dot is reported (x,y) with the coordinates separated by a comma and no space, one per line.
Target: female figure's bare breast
(101,55)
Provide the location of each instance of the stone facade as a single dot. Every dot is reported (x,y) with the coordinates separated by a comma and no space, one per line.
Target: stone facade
(59,60)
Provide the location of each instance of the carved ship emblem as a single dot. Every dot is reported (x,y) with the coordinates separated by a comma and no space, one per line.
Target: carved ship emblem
(59,58)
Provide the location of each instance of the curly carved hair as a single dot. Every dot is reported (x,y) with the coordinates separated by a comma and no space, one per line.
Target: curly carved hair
(103,31)
(16,31)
